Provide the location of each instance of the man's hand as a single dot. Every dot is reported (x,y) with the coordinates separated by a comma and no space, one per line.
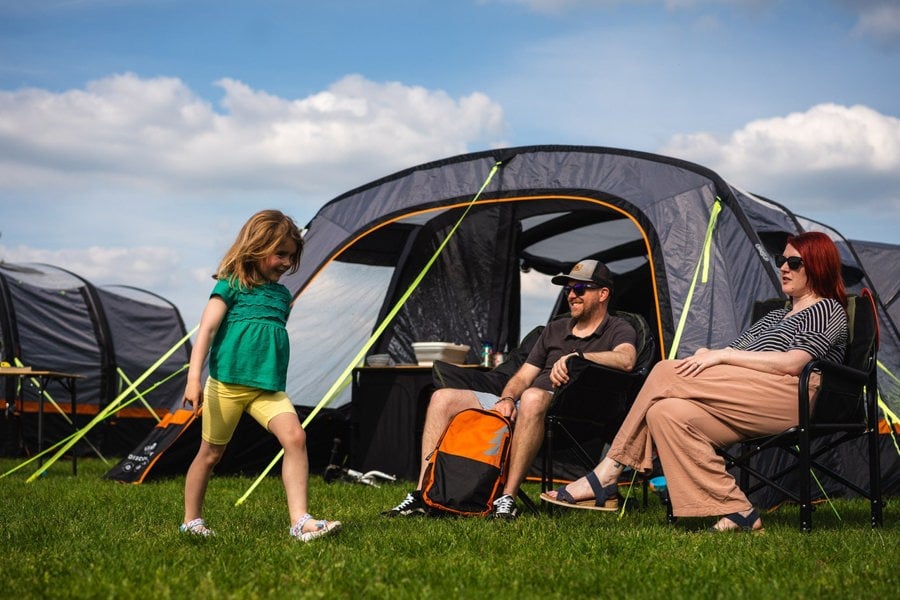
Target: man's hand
(506,406)
(559,372)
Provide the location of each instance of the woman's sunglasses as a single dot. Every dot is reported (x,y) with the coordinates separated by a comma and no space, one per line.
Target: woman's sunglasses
(579,288)
(793,262)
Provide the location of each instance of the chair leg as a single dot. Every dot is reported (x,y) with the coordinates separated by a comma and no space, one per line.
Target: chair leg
(529,503)
(805,477)
(875,499)
(547,476)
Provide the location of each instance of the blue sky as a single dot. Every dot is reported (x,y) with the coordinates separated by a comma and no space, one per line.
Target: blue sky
(137,136)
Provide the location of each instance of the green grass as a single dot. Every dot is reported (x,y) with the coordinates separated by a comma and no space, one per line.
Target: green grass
(86,537)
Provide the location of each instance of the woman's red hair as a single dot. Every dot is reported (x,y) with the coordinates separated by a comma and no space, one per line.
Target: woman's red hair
(823,264)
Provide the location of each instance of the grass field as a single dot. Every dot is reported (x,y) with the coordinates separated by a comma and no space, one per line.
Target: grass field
(86,537)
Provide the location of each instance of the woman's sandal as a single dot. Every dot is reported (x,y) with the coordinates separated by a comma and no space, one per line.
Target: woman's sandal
(744,524)
(323,528)
(605,498)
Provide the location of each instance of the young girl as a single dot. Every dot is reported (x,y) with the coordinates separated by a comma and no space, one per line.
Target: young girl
(242,329)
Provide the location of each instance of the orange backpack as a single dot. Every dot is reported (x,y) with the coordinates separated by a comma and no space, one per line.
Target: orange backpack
(467,469)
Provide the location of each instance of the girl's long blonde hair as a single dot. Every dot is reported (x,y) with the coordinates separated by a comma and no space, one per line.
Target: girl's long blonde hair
(258,239)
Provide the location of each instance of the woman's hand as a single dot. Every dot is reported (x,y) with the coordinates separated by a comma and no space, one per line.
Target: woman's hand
(700,361)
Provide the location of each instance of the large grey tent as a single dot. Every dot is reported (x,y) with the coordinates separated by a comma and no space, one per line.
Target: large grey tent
(689,252)
(52,319)
(646,216)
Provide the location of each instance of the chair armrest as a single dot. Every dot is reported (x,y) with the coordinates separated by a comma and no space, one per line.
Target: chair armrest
(828,368)
(578,365)
(839,392)
(596,394)
(585,372)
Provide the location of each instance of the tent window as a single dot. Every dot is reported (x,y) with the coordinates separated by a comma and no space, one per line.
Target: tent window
(331,321)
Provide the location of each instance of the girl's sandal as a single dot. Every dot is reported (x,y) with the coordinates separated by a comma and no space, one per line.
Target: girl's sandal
(196,527)
(323,528)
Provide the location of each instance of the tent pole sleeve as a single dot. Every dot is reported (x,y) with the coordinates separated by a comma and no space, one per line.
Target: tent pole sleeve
(703,262)
(344,378)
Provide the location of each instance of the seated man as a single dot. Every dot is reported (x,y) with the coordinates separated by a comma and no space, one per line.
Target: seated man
(591,333)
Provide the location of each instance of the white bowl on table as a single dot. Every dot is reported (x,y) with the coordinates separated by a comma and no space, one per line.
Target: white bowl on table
(428,352)
(378,360)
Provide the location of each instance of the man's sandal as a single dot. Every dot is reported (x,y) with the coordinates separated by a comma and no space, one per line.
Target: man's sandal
(605,498)
(323,528)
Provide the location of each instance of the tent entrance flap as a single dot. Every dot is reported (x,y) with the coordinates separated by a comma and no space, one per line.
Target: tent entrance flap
(471,292)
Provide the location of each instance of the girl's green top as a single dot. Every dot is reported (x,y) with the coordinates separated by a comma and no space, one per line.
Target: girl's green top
(251,346)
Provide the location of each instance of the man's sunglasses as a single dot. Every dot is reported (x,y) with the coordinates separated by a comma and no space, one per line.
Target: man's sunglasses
(580,288)
(793,262)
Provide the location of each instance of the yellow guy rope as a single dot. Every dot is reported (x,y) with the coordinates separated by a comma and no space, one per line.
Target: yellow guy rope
(112,406)
(139,395)
(106,412)
(704,262)
(344,377)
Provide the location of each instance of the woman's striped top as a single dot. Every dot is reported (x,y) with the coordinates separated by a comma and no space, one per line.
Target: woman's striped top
(820,329)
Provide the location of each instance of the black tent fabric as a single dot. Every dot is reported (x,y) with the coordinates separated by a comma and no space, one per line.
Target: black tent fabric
(55,320)
(689,252)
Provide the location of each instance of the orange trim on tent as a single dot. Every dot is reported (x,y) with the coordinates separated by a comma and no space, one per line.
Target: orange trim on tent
(90,409)
(884,427)
(624,213)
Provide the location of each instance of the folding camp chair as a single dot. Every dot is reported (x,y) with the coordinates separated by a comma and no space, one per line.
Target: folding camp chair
(845,409)
(593,404)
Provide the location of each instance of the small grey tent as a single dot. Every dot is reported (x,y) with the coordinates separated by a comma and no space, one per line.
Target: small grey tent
(52,319)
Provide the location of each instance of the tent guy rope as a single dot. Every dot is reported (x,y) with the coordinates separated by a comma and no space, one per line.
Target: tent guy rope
(113,406)
(344,378)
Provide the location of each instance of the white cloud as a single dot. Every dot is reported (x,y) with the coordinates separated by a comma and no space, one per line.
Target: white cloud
(164,178)
(826,137)
(137,266)
(841,162)
(158,134)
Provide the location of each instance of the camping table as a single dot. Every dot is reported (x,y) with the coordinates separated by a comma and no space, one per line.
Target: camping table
(67,380)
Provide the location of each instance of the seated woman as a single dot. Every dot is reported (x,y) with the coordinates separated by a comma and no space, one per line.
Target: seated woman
(689,407)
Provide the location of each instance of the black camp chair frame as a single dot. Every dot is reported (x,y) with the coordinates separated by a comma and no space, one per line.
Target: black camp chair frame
(846,409)
(593,404)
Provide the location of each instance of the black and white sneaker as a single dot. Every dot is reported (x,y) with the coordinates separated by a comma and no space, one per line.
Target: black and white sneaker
(411,506)
(505,507)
